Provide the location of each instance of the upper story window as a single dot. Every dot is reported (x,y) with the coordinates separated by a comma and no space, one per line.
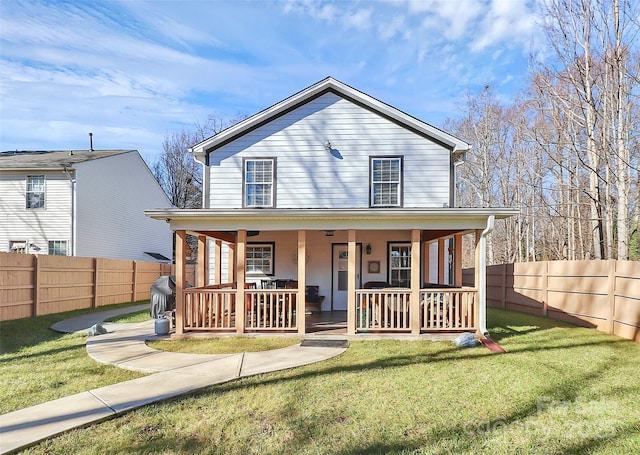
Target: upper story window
(259,178)
(35,192)
(58,247)
(386,182)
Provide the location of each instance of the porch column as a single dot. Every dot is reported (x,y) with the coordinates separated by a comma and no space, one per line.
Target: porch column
(426,258)
(231,274)
(457,260)
(181,265)
(218,265)
(416,254)
(240,279)
(203,266)
(351,283)
(302,281)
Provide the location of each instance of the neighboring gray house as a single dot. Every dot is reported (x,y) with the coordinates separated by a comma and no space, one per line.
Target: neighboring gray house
(81,203)
(331,193)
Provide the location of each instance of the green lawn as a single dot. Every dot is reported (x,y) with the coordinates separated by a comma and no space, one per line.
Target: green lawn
(559,389)
(39,364)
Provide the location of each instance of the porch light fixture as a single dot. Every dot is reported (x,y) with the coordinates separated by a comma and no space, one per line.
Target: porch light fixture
(368,249)
(327,146)
(328,233)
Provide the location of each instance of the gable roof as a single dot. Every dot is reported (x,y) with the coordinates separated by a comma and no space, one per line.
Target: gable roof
(52,159)
(328,85)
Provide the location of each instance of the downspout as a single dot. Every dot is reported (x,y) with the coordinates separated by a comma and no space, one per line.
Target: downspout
(73,210)
(482,277)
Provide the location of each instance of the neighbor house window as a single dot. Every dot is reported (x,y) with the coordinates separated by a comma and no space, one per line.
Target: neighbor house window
(386,182)
(58,247)
(18,246)
(259,182)
(35,191)
(400,265)
(259,258)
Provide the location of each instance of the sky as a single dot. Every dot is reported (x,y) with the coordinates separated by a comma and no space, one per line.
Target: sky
(133,72)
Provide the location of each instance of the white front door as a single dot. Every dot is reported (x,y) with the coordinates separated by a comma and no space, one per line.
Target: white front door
(340,265)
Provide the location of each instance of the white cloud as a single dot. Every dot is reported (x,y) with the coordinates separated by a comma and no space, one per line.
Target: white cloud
(397,26)
(132,72)
(360,19)
(507,21)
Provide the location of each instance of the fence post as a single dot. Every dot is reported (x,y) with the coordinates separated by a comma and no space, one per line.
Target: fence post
(504,286)
(612,293)
(134,285)
(36,285)
(545,289)
(94,301)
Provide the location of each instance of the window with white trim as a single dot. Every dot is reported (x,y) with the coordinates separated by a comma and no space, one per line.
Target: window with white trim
(35,192)
(386,182)
(259,258)
(259,182)
(58,247)
(400,265)
(18,246)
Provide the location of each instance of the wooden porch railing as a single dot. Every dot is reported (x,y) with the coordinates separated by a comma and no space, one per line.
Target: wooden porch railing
(214,308)
(448,309)
(389,310)
(209,309)
(383,310)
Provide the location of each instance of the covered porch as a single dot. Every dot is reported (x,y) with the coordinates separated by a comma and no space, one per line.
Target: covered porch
(423,294)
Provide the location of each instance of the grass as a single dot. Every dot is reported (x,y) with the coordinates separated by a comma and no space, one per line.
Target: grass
(39,364)
(559,389)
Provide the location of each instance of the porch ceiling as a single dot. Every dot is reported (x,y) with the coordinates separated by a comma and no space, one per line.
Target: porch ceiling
(446,219)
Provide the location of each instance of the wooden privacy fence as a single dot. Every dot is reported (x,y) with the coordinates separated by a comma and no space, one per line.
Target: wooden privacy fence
(600,294)
(35,285)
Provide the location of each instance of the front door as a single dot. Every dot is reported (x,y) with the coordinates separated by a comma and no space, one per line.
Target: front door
(340,264)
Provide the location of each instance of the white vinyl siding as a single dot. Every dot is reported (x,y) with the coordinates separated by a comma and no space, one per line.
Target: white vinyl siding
(112,194)
(36,227)
(310,176)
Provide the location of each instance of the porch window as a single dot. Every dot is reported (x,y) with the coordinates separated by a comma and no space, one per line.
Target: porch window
(259,259)
(35,192)
(386,182)
(58,247)
(259,182)
(400,265)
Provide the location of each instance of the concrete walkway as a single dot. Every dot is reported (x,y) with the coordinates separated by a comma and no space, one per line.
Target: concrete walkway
(173,374)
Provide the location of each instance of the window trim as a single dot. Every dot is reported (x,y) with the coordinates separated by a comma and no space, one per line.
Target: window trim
(272,246)
(400,159)
(18,246)
(390,245)
(273,181)
(43,192)
(66,247)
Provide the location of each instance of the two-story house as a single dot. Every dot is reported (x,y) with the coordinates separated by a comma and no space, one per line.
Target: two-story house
(335,201)
(81,203)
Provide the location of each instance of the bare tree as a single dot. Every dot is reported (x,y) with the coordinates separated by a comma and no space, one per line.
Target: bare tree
(177,171)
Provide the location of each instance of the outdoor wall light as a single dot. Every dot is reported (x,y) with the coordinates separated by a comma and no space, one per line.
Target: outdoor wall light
(328,233)
(327,146)
(368,249)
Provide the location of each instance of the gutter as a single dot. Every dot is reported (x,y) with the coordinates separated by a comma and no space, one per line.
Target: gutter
(482,278)
(73,210)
